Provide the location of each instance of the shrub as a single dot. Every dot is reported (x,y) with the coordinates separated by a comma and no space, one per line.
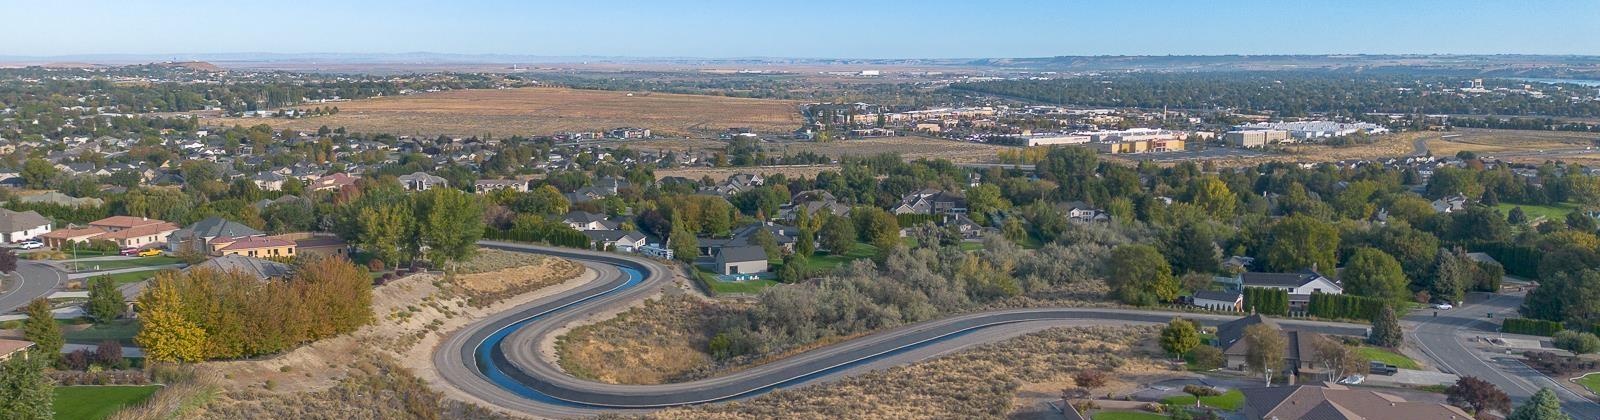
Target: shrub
(1090,378)
(1531,326)
(1555,364)
(1577,342)
(1201,391)
(1206,358)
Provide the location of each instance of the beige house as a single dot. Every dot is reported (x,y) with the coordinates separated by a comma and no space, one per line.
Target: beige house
(253,246)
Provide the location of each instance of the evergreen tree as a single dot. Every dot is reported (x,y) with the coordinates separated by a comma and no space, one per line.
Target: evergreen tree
(1179,337)
(41,328)
(105,302)
(1517,216)
(25,393)
(1385,328)
(1542,406)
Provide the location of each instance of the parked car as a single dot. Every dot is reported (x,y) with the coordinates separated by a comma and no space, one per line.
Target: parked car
(1355,379)
(128,252)
(30,244)
(152,252)
(1380,368)
(1443,306)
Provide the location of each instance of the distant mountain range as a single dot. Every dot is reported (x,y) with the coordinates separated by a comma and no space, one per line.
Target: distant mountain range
(1546,66)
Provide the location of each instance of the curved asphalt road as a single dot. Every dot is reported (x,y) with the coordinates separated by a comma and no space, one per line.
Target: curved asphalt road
(33,280)
(565,395)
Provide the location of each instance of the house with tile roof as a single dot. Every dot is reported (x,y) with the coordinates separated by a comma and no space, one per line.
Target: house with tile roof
(1336,402)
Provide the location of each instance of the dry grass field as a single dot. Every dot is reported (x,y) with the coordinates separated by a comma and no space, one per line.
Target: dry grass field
(656,343)
(808,171)
(1504,141)
(543,111)
(989,381)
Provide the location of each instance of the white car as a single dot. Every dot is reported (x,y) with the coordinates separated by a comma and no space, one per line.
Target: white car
(1443,306)
(30,244)
(1353,379)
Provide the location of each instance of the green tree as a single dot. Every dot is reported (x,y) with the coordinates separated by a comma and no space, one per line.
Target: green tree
(38,173)
(1373,273)
(25,392)
(685,247)
(1542,406)
(451,226)
(1214,196)
(41,328)
(1266,347)
(838,235)
(1179,337)
(983,200)
(805,245)
(1299,242)
(1142,276)
(105,302)
(1385,328)
(386,231)
(165,334)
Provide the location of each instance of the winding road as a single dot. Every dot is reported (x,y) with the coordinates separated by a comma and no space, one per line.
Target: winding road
(32,280)
(496,359)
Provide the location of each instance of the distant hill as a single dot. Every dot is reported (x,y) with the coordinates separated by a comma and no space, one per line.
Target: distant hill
(191,65)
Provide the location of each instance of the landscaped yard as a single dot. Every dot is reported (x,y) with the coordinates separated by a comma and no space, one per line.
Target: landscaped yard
(719,287)
(97,402)
(1127,415)
(121,330)
(1231,400)
(822,263)
(134,276)
(127,263)
(1591,381)
(1557,212)
(1386,356)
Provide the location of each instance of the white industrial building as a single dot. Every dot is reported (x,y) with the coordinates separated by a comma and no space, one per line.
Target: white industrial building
(1305,130)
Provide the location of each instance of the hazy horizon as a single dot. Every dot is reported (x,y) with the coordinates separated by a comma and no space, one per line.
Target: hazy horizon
(825,29)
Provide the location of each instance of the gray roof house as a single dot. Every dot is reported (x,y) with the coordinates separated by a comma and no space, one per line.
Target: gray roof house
(255,267)
(747,259)
(421,181)
(17,226)
(199,234)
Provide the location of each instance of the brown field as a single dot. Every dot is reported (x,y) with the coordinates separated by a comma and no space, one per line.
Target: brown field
(544,111)
(1506,141)
(908,147)
(659,342)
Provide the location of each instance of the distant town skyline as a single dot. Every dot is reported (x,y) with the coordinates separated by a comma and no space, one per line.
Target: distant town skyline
(813,29)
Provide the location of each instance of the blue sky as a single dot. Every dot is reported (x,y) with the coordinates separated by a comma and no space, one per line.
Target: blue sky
(813,28)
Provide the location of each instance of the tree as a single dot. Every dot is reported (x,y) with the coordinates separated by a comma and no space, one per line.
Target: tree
(451,222)
(1580,342)
(105,302)
(38,173)
(1517,216)
(1542,406)
(1267,345)
(1385,328)
(983,200)
(1196,251)
(1337,358)
(1206,358)
(41,328)
(838,235)
(1179,337)
(805,245)
(1142,276)
(386,232)
(1578,221)
(25,392)
(1477,395)
(1373,273)
(1214,196)
(685,247)
(1299,242)
(166,335)
(8,261)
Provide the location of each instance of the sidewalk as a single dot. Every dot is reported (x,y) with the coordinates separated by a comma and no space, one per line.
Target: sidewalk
(88,274)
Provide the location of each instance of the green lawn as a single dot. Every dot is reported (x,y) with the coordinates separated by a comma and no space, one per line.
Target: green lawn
(1127,415)
(1231,400)
(823,263)
(1556,212)
(133,276)
(97,402)
(719,287)
(1386,356)
(129,263)
(1591,381)
(121,330)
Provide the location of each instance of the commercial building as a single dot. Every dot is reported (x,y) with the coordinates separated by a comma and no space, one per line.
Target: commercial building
(1308,130)
(1254,138)
(1054,139)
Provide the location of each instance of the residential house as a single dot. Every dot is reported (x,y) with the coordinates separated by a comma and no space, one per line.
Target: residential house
(1083,212)
(268,181)
(1300,285)
(17,348)
(585,221)
(1299,355)
(1450,204)
(18,226)
(60,199)
(748,259)
(931,201)
(252,246)
(198,236)
(332,182)
(307,243)
(815,203)
(623,241)
(1219,300)
(421,181)
(1337,402)
(258,268)
(784,236)
(488,185)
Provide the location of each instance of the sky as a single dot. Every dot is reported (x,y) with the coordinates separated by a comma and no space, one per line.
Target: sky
(800,29)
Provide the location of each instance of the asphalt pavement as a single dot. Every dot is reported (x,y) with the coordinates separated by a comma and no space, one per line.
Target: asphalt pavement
(1444,339)
(31,281)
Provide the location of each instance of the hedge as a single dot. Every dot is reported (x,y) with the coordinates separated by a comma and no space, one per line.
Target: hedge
(554,234)
(1518,260)
(1331,306)
(1266,301)
(1531,326)
(912,219)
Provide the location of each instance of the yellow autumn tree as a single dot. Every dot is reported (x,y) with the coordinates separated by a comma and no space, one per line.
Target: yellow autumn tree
(166,335)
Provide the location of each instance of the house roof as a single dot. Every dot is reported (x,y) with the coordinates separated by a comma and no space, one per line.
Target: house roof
(583,217)
(138,231)
(255,242)
(259,268)
(124,222)
(1217,295)
(90,231)
(214,226)
(1334,402)
(1230,333)
(8,346)
(1295,279)
(741,254)
(17,221)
